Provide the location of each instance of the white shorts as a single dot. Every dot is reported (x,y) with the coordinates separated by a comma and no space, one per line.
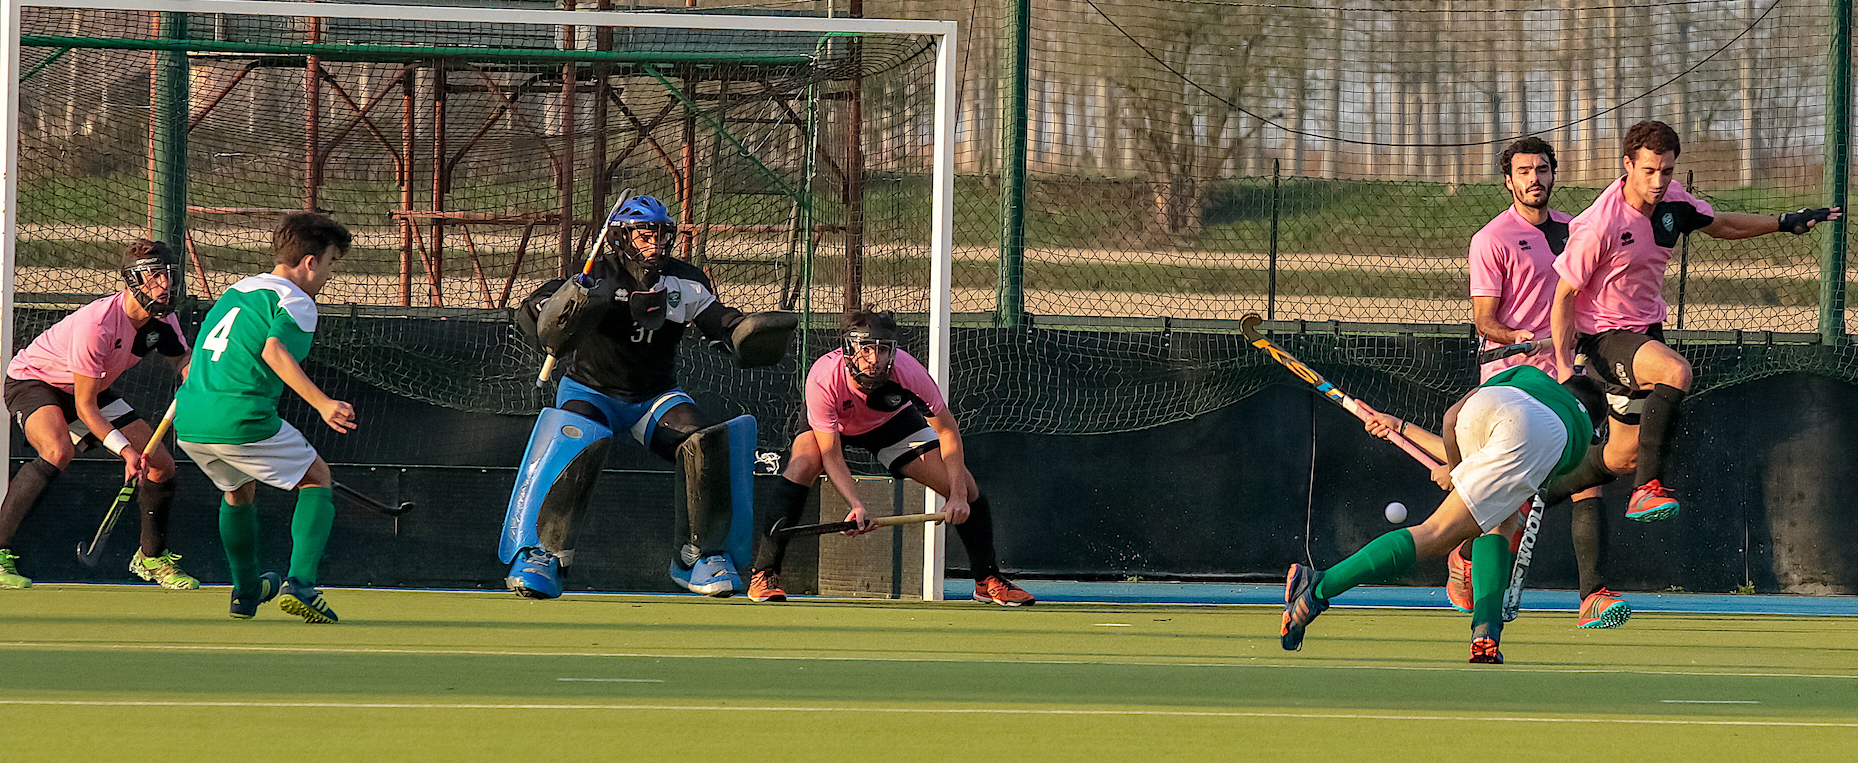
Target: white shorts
(280,460)
(1510,443)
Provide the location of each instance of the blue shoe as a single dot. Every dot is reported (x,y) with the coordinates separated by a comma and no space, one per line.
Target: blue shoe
(711,576)
(303,600)
(244,607)
(536,574)
(1300,605)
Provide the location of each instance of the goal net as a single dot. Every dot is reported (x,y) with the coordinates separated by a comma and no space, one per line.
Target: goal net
(475,153)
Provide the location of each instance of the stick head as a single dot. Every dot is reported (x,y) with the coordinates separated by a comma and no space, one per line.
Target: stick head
(1248,326)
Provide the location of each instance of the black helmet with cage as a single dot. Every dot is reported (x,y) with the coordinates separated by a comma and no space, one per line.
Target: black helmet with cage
(146,261)
(869,331)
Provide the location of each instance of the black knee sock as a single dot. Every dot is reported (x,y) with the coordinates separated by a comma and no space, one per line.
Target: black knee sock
(790,503)
(1589,530)
(977,536)
(1657,425)
(1591,473)
(156,499)
(21,493)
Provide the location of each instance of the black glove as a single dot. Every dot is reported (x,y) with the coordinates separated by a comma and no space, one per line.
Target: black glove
(1796,222)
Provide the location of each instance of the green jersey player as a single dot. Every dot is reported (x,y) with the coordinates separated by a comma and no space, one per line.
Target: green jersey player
(248,352)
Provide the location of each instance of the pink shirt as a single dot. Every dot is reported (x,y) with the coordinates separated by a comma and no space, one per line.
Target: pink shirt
(1617,266)
(835,404)
(1511,259)
(98,341)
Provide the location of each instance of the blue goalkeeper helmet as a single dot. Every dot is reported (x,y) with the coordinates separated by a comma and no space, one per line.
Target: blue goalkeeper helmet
(642,212)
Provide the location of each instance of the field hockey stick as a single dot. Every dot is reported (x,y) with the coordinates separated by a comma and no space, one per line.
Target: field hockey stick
(777,531)
(1249,327)
(1525,553)
(1530,347)
(587,268)
(371,503)
(89,556)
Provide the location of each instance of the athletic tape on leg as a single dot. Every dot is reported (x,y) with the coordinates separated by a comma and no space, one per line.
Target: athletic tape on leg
(559,467)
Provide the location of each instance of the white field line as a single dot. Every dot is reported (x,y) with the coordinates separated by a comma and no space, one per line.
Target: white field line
(1710,701)
(929,711)
(660,680)
(1249,663)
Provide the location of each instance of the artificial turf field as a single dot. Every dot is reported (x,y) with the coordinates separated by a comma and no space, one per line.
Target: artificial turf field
(129,672)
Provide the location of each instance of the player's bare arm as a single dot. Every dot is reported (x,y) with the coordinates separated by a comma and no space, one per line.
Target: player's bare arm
(1484,315)
(84,389)
(1561,326)
(832,457)
(339,415)
(955,462)
(179,363)
(1385,426)
(1731,226)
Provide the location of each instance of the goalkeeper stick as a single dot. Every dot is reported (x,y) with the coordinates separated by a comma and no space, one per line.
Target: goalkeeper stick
(1530,347)
(1249,327)
(587,268)
(94,552)
(778,531)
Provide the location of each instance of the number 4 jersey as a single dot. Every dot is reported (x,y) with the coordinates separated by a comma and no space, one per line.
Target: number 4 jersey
(231,394)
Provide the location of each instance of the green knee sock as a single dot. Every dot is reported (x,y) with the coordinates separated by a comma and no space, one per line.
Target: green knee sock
(309,531)
(1383,559)
(1490,577)
(238,532)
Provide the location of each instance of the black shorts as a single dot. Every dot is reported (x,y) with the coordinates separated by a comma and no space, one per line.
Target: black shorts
(898,441)
(1610,353)
(26,396)
(1609,356)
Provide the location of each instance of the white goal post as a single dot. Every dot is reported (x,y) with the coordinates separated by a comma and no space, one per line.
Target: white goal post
(944,123)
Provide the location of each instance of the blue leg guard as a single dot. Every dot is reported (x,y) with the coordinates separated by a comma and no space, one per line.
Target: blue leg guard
(717,493)
(564,457)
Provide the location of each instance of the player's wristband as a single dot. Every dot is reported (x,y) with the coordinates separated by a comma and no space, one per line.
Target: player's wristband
(116,442)
(1403,427)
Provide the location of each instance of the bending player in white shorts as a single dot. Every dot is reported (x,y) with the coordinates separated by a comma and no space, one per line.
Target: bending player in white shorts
(1504,440)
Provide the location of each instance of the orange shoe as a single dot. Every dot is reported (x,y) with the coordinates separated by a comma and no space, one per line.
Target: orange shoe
(1604,609)
(994,589)
(1650,503)
(1458,581)
(1484,652)
(765,586)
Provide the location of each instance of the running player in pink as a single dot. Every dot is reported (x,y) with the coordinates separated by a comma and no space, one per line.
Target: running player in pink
(874,396)
(58,391)
(1512,290)
(1610,305)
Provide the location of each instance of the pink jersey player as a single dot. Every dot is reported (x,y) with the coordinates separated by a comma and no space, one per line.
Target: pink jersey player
(835,404)
(1616,262)
(99,341)
(873,396)
(1513,261)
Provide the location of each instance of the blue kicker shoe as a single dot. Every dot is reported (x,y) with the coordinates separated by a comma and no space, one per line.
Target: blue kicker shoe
(536,574)
(244,607)
(303,600)
(710,576)
(682,565)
